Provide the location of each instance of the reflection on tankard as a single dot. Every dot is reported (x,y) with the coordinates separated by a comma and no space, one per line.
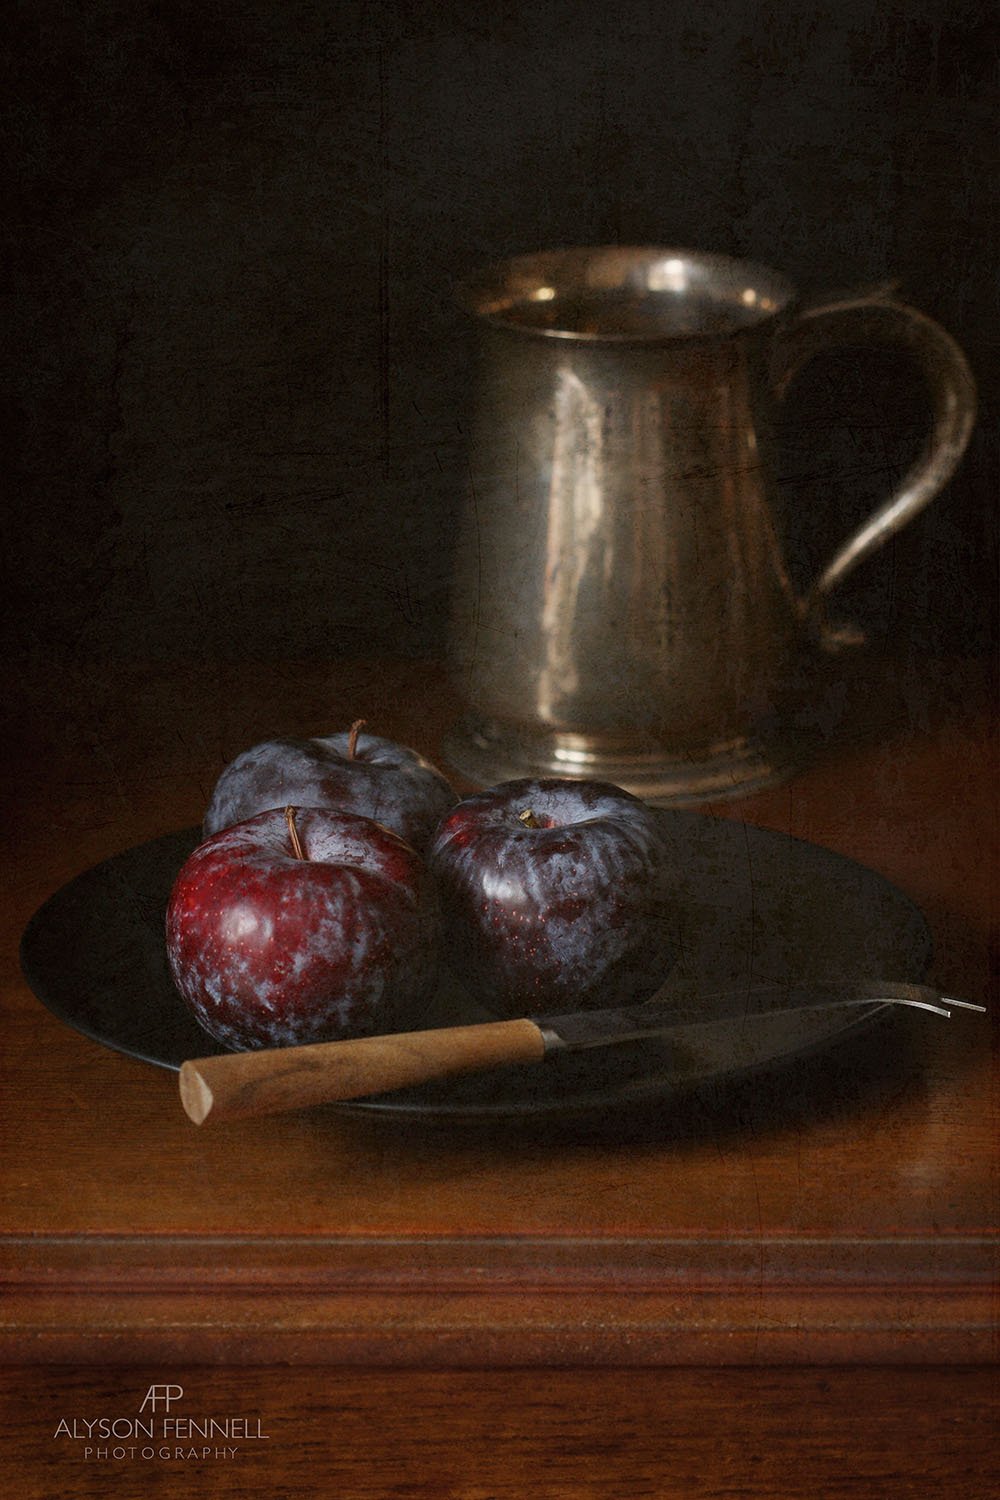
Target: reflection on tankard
(622,607)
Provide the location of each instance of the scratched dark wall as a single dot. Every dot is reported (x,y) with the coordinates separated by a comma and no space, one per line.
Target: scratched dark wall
(237,381)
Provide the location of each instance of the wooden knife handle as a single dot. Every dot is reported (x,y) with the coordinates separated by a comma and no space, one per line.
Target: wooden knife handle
(238,1084)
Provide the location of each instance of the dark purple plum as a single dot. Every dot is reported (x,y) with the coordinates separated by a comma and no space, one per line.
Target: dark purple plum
(357,772)
(554,896)
(306,926)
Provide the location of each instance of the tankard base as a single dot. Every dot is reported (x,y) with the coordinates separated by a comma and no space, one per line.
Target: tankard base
(486,754)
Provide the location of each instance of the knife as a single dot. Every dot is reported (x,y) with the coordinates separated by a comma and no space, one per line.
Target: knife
(239,1084)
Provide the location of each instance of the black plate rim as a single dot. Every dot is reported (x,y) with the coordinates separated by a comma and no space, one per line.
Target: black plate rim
(641,1090)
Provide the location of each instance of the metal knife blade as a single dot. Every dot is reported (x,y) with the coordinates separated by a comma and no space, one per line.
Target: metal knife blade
(666,1011)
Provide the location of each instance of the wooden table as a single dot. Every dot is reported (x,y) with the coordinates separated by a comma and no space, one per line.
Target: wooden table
(800,1299)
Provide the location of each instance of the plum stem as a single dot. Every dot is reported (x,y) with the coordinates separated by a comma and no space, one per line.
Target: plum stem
(528,818)
(352,737)
(293,834)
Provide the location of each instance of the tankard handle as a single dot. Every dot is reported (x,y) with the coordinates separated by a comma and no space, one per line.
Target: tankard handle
(876,318)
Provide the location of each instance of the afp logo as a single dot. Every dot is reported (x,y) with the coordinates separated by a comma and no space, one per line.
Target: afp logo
(159,1397)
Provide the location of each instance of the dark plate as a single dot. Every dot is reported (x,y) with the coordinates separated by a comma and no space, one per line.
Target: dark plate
(756,907)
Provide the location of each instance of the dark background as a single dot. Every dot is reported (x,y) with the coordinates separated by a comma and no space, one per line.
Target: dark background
(238,385)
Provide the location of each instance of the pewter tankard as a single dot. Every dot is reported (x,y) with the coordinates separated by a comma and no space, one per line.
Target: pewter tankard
(622,607)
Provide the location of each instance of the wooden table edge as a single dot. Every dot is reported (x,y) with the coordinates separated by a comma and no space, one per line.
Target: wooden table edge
(463,1302)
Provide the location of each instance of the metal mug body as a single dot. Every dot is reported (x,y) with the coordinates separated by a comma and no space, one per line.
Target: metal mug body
(621,605)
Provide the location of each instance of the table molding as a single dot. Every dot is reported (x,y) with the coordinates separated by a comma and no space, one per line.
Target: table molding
(461,1302)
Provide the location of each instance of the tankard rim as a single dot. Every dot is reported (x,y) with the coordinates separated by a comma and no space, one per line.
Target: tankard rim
(524,293)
